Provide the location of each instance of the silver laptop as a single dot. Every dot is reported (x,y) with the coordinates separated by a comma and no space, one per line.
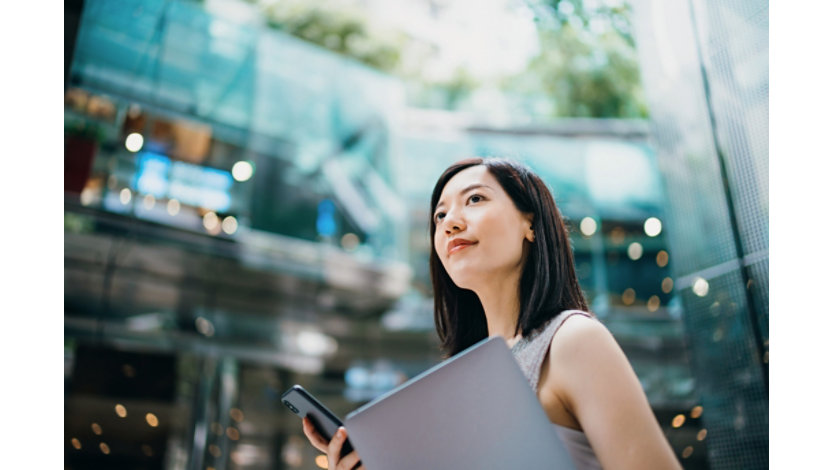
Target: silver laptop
(473,411)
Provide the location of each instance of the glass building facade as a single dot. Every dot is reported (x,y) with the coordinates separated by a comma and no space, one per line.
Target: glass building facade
(245,211)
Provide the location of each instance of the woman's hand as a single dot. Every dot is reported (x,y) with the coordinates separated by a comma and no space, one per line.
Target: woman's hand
(333,449)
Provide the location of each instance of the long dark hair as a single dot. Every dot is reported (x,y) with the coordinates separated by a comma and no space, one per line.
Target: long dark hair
(548,282)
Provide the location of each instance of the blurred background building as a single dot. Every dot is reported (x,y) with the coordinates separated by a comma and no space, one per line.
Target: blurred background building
(246,206)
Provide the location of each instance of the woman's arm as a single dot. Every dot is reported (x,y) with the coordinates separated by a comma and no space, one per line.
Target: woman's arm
(590,375)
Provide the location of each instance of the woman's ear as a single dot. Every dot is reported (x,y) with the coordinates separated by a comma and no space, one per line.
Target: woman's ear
(530,234)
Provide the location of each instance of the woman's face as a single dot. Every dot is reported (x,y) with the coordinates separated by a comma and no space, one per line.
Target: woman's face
(479,234)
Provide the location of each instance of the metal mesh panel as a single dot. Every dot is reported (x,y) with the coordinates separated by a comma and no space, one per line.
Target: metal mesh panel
(705,72)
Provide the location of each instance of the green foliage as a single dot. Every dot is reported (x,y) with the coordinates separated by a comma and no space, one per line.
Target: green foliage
(587,64)
(336,27)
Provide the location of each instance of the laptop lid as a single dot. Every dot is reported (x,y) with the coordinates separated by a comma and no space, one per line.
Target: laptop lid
(475,410)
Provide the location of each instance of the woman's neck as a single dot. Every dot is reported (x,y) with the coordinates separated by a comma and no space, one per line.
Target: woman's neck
(501,307)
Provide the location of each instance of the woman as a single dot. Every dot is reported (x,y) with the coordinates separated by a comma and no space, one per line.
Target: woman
(501,264)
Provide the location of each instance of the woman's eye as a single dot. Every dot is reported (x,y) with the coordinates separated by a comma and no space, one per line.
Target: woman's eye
(475,198)
(439,216)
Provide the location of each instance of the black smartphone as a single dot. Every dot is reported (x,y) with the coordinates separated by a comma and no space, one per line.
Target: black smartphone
(302,403)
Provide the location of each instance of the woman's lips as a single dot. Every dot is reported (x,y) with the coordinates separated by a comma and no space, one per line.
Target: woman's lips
(457,245)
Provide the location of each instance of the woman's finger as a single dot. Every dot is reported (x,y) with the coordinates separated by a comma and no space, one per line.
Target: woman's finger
(334,449)
(349,461)
(313,436)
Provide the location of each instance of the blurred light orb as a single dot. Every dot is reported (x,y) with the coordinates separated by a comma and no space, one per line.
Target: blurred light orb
(105,449)
(653,303)
(124,196)
(702,434)
(696,411)
(96,429)
(148,202)
(173,207)
(667,285)
(229,225)
(700,287)
(628,296)
(321,461)
(121,410)
(652,226)
(76,443)
(662,258)
(314,343)
(350,241)
(588,226)
(635,251)
(232,433)
(211,221)
(205,327)
(134,142)
(678,421)
(236,414)
(152,420)
(147,450)
(242,171)
(687,452)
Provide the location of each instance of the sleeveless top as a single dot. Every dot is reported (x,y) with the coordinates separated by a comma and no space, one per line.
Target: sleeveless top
(530,352)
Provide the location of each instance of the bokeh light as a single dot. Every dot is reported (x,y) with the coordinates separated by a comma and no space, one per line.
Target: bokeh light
(652,226)
(687,452)
(236,414)
(635,251)
(134,142)
(653,303)
(662,258)
(105,449)
(152,420)
(702,434)
(242,171)
(628,296)
(96,429)
(173,207)
(696,412)
(667,285)
(678,421)
(700,287)
(229,225)
(321,461)
(125,196)
(588,226)
(76,443)
(121,411)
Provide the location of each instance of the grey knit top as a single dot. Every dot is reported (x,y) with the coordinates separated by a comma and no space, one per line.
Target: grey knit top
(530,352)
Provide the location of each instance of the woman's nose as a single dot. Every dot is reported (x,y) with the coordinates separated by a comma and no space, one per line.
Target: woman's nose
(453,223)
